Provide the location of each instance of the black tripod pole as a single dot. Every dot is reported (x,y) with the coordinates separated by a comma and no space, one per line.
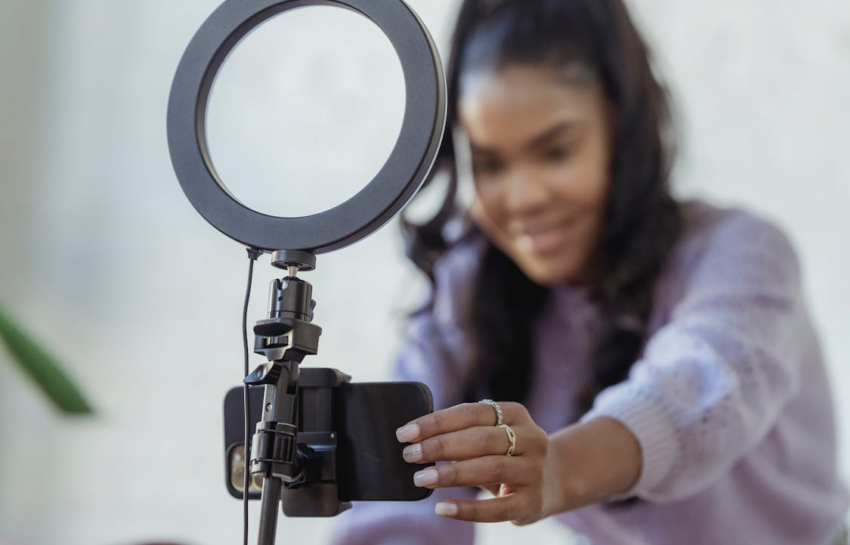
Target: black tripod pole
(285,338)
(269,510)
(279,416)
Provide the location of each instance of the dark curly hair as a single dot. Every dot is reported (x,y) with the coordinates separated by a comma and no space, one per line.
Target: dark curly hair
(642,219)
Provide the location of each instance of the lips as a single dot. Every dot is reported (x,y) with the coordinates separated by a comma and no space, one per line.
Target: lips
(543,238)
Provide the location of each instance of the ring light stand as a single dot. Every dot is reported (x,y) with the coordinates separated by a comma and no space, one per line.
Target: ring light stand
(287,335)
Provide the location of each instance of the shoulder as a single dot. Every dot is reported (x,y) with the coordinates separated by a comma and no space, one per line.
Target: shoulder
(732,243)
(724,254)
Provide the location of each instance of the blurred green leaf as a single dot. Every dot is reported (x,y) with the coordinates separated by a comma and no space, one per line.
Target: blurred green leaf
(42,368)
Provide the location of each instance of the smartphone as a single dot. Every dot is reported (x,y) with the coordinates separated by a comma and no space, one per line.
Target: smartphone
(369,465)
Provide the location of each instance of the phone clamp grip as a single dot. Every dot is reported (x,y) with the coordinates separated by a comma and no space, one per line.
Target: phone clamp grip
(273,451)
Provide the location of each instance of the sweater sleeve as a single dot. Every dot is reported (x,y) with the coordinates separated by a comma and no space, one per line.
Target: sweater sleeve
(433,353)
(713,380)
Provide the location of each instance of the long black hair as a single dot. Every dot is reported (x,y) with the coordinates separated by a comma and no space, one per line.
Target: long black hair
(642,220)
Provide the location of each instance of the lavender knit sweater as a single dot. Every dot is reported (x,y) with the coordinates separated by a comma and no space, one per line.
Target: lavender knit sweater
(729,400)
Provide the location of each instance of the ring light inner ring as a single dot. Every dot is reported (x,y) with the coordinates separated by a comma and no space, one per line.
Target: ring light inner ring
(295,135)
(399,178)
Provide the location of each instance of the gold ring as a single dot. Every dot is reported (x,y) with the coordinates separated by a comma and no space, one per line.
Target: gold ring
(511,438)
(496,407)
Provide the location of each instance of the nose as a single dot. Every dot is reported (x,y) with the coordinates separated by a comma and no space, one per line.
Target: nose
(525,194)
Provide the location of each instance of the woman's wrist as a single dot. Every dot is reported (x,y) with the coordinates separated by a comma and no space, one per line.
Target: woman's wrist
(590,462)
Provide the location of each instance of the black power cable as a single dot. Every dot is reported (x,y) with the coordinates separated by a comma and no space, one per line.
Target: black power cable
(253,254)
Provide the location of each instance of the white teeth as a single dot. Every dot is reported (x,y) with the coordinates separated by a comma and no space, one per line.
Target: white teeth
(525,243)
(538,231)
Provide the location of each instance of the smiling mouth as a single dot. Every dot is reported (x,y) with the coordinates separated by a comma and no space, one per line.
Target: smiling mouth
(544,239)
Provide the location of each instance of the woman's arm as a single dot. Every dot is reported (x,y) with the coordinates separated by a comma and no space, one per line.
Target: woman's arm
(579,465)
(592,461)
(710,386)
(713,381)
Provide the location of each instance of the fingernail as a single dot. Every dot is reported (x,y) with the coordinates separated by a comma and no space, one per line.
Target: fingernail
(445,509)
(406,434)
(426,477)
(413,453)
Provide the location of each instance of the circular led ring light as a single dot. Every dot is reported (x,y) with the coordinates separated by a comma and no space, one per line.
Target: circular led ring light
(398,180)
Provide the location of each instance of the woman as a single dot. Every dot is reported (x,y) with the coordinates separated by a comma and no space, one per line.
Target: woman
(654,366)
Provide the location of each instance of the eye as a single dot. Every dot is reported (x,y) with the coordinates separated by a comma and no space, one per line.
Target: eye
(559,153)
(486,166)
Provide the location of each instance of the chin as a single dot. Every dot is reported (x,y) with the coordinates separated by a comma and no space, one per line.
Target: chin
(549,276)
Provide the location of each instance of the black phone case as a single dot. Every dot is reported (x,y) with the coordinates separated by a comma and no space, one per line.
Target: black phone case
(370,462)
(370,465)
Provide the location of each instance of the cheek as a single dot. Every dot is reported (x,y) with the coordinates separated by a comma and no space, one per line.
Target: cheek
(486,213)
(584,183)
(582,190)
(589,199)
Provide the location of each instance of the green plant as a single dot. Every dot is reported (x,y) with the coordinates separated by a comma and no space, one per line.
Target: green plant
(42,368)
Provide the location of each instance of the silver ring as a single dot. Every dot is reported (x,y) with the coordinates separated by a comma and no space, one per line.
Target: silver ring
(496,407)
(511,438)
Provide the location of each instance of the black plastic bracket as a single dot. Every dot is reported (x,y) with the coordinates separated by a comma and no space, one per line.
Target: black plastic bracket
(273,450)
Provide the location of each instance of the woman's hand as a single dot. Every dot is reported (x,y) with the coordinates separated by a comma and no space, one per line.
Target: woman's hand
(579,465)
(467,435)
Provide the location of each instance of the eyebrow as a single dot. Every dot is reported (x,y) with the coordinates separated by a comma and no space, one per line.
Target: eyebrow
(537,140)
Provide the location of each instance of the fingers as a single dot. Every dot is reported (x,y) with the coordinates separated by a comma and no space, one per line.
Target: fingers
(461,445)
(493,489)
(485,471)
(459,417)
(513,507)
(467,434)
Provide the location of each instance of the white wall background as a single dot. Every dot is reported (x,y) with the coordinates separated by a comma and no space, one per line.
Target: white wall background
(104,258)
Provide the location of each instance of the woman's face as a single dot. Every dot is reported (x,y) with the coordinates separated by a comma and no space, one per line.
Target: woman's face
(540,158)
